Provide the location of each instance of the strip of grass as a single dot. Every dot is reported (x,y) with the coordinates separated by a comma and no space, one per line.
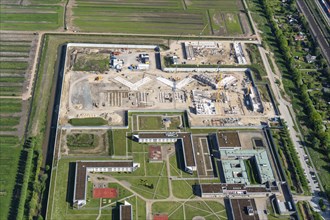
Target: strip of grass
(9,156)
(119,142)
(29,18)
(251,172)
(9,121)
(87,121)
(10,90)
(8,140)
(12,79)
(15,48)
(17,65)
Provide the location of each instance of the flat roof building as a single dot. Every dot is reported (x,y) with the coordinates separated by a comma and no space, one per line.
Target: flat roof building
(125,211)
(227,140)
(82,169)
(183,139)
(211,190)
(234,170)
(242,209)
(155,154)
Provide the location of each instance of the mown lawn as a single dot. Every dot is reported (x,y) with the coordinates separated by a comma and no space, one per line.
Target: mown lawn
(88,121)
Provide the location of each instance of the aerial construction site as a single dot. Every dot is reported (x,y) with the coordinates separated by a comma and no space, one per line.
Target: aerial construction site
(108,80)
(151,117)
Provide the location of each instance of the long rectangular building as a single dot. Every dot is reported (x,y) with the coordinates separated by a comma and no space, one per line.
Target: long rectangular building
(242,209)
(83,167)
(125,211)
(183,139)
(210,190)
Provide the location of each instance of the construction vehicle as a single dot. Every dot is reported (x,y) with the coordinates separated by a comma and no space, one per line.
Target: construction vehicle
(98,78)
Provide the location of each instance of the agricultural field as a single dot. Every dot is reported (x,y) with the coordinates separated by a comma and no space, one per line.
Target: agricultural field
(159,17)
(16,58)
(128,20)
(223,5)
(31,17)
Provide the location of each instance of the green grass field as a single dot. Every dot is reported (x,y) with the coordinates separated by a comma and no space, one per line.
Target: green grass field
(93,62)
(82,140)
(9,157)
(87,121)
(182,189)
(174,210)
(9,121)
(30,18)
(190,209)
(150,123)
(233,25)
(209,210)
(224,5)
(166,17)
(105,18)
(117,144)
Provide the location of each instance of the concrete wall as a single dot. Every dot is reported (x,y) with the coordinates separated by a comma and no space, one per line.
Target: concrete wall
(131,46)
(182,69)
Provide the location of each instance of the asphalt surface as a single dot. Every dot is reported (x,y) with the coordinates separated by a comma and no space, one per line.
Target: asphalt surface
(315,29)
(286,110)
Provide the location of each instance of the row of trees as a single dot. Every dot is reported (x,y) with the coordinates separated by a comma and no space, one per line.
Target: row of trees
(292,154)
(29,184)
(36,187)
(21,187)
(314,119)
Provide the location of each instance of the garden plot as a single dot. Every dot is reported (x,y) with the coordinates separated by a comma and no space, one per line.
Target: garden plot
(16,59)
(84,142)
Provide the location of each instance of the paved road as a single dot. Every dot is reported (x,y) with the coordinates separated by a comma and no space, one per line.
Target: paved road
(315,29)
(285,109)
(246,39)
